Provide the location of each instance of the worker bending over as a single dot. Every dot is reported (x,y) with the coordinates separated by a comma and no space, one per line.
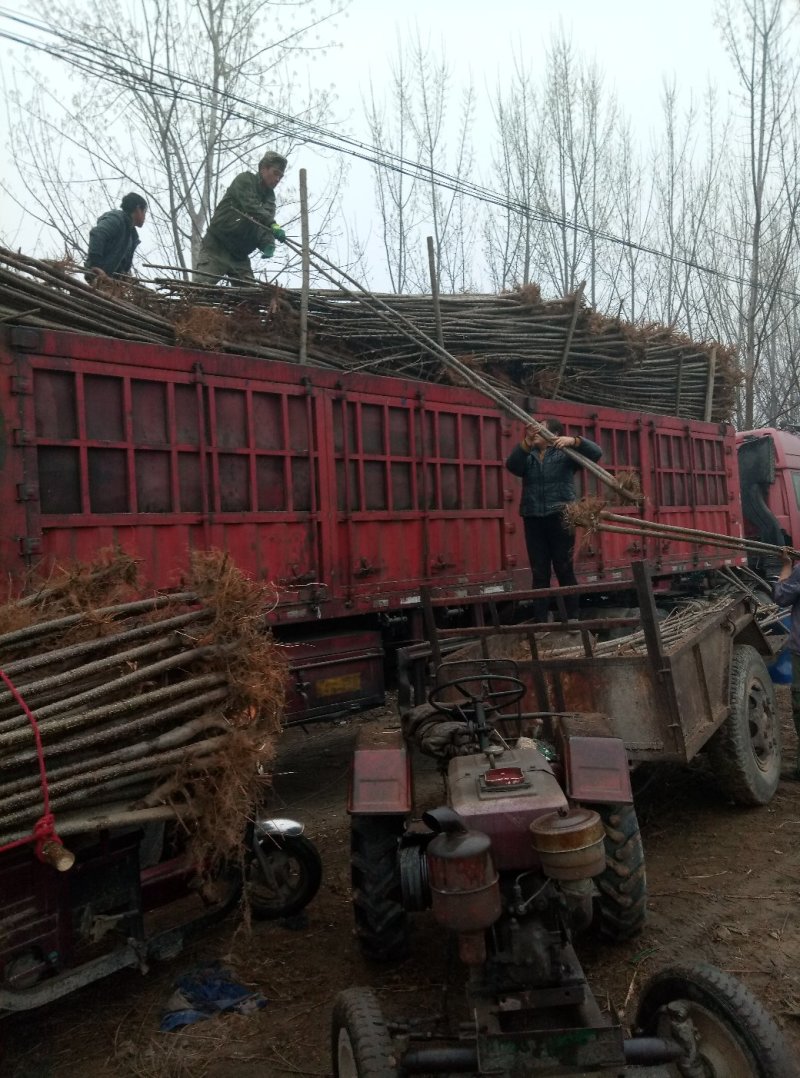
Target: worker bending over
(244,221)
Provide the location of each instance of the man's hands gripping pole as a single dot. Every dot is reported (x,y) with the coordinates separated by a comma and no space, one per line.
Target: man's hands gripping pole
(268,250)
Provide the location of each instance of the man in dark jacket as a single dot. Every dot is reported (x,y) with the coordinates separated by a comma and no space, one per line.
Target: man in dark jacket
(243,221)
(114,238)
(547,475)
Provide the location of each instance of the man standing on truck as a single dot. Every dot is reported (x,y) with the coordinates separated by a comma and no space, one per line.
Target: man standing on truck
(114,239)
(242,222)
(547,474)
(786,592)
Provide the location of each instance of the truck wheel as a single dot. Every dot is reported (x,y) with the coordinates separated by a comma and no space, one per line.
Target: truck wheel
(283,875)
(381,921)
(729,1029)
(360,1043)
(745,752)
(621,906)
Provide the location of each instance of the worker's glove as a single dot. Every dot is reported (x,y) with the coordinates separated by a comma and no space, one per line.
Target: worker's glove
(268,250)
(278,233)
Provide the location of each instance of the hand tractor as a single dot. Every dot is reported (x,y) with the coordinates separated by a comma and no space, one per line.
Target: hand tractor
(538,841)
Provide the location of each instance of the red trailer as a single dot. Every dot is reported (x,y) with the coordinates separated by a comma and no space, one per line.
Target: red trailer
(350,493)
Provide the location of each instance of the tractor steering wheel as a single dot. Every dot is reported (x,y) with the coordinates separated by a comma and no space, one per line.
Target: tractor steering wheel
(499,691)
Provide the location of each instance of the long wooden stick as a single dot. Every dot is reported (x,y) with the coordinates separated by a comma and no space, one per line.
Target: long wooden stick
(624,525)
(468,376)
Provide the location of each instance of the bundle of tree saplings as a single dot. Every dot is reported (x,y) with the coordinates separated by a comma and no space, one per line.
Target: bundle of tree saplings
(147,707)
(559,349)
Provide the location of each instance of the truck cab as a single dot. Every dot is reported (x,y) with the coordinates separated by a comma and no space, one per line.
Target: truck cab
(769,473)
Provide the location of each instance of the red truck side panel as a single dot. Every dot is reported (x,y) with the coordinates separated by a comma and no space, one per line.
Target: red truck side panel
(348,492)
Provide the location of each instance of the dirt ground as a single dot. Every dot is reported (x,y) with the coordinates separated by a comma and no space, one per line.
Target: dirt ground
(724,884)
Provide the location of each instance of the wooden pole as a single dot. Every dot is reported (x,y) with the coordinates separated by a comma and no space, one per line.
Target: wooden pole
(712,372)
(305,264)
(437,310)
(568,342)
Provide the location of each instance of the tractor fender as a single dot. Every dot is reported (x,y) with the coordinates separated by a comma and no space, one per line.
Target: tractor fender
(595,762)
(380,776)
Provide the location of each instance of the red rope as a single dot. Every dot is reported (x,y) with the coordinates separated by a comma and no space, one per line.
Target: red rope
(44,829)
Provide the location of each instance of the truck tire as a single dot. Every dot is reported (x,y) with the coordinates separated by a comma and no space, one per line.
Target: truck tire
(745,752)
(360,1043)
(381,921)
(620,908)
(735,1034)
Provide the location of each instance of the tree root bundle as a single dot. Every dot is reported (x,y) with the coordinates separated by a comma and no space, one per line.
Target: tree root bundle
(147,707)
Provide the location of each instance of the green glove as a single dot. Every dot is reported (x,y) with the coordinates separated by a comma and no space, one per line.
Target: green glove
(278,233)
(268,250)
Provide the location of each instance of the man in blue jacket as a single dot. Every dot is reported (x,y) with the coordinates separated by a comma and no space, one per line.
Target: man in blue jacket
(547,474)
(114,238)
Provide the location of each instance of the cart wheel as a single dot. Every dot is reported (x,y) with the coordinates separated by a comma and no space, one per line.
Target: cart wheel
(725,1024)
(621,906)
(283,876)
(360,1042)
(745,752)
(381,921)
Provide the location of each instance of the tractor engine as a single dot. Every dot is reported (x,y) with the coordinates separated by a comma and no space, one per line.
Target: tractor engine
(512,856)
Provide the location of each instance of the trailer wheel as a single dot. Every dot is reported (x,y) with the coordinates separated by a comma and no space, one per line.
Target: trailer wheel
(745,752)
(620,908)
(381,920)
(722,1021)
(360,1043)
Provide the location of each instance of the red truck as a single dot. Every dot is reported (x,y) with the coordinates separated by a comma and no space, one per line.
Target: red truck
(349,492)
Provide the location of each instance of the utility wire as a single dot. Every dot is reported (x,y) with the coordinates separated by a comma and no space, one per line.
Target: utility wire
(119,69)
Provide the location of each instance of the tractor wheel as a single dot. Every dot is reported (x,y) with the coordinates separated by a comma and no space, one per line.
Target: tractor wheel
(745,752)
(621,906)
(360,1043)
(381,920)
(728,1028)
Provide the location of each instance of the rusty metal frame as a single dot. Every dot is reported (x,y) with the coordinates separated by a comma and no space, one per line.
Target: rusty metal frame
(664,703)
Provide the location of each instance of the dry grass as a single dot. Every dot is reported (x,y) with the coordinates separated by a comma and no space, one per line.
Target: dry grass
(78,588)
(529,295)
(202,327)
(584,514)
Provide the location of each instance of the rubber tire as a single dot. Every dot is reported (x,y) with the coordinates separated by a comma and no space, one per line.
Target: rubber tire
(307,861)
(381,921)
(620,908)
(738,770)
(730,1002)
(357,1020)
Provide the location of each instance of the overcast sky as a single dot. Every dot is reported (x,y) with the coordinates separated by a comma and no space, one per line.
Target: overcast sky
(637,44)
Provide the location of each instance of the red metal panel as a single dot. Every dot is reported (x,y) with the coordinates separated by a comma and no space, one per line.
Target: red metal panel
(329,673)
(349,493)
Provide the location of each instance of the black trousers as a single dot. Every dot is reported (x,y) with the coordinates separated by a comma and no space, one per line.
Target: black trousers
(550,545)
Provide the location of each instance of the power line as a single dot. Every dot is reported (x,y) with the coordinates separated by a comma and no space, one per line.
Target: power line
(119,69)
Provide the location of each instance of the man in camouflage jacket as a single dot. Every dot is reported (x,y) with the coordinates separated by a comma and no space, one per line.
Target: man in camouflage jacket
(244,221)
